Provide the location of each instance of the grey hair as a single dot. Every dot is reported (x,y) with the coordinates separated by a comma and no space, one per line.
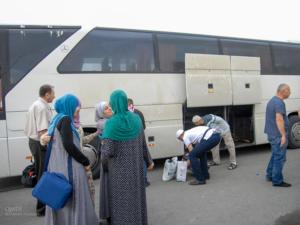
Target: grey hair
(281,87)
(196,118)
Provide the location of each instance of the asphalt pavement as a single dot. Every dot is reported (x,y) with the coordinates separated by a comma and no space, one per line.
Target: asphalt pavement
(237,197)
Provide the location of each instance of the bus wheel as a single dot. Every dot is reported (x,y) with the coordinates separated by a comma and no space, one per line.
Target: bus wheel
(94,157)
(294,132)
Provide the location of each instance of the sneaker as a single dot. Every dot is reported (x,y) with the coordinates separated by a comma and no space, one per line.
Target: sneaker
(282,184)
(197,182)
(212,163)
(232,166)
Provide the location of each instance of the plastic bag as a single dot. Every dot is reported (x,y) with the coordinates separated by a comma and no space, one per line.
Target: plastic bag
(181,171)
(170,169)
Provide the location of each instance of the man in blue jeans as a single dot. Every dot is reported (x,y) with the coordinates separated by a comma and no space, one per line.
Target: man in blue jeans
(276,127)
(204,139)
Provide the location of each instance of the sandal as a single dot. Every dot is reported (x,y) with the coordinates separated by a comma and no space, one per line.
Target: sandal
(232,166)
(212,163)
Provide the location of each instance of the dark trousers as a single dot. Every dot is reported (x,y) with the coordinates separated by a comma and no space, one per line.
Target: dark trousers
(198,156)
(38,152)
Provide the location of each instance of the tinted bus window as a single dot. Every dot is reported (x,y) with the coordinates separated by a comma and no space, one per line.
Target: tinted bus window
(172,49)
(249,48)
(111,51)
(286,59)
(27,47)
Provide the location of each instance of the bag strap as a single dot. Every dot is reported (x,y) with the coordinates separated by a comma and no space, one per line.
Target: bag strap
(70,170)
(47,158)
(204,134)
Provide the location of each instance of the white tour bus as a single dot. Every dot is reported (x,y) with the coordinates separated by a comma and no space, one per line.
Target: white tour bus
(170,77)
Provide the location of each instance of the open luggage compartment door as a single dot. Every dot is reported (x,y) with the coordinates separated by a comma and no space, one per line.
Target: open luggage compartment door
(245,72)
(208,80)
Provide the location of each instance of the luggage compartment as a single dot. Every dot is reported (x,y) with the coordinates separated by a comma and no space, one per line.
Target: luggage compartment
(240,119)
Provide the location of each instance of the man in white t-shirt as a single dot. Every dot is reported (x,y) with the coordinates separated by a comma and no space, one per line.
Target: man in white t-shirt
(204,139)
(37,123)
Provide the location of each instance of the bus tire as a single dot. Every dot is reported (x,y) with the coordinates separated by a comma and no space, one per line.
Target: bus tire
(294,132)
(92,152)
(96,171)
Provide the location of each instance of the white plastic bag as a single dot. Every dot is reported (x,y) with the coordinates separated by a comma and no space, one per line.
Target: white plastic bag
(170,169)
(181,171)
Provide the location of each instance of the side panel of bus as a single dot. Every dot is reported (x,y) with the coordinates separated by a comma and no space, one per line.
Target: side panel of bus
(4,160)
(159,97)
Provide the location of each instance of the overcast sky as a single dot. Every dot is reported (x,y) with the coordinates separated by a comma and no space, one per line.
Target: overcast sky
(259,19)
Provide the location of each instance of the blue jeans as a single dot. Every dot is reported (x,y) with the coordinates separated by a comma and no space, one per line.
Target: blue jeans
(278,158)
(199,167)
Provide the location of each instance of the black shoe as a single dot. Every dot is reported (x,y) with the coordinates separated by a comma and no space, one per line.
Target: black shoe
(269,179)
(197,182)
(282,184)
(207,177)
(147,184)
(108,220)
(212,163)
(40,214)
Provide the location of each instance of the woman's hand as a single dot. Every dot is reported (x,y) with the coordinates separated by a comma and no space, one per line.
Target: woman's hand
(88,168)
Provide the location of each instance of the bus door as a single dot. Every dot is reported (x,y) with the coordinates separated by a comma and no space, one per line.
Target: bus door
(4,161)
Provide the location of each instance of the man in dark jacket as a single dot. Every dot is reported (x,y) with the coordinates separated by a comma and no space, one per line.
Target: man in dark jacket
(149,164)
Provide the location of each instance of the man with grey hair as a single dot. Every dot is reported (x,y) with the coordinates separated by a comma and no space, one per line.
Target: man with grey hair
(276,128)
(223,128)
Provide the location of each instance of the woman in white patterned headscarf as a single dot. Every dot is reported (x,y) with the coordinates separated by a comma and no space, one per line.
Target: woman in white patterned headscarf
(103,112)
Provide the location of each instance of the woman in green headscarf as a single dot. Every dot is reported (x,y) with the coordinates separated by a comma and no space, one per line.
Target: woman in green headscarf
(122,158)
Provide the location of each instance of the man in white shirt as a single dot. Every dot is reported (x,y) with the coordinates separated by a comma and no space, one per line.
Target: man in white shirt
(37,123)
(204,139)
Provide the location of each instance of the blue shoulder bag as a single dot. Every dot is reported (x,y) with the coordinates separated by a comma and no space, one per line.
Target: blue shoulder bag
(54,189)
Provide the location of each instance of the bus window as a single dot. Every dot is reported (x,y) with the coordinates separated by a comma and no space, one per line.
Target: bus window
(249,48)
(286,58)
(111,51)
(172,49)
(27,47)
